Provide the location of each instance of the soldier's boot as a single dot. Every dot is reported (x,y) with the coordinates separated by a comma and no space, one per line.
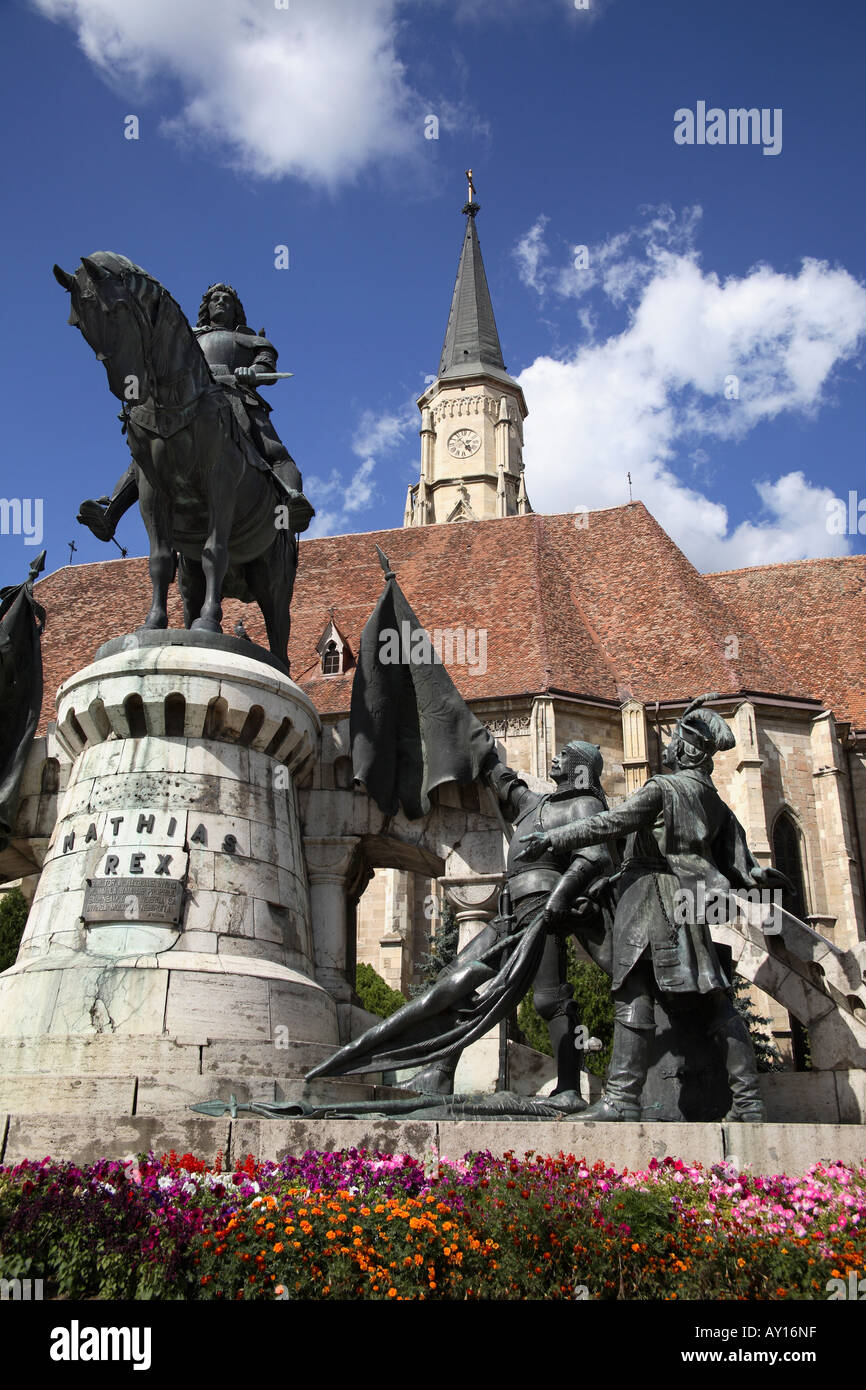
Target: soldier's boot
(739,1054)
(565,1055)
(626,1075)
(435,1080)
(101,515)
(286,470)
(286,473)
(553,998)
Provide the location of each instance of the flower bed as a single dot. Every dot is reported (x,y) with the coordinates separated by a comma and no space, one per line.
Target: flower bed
(356,1225)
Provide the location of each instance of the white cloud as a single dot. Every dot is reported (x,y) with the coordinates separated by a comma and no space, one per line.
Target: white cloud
(376,435)
(531,253)
(630,403)
(315,90)
(483,11)
(340,498)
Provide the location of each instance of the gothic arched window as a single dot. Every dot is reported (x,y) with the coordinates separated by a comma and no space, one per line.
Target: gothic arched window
(788,857)
(335,658)
(331,660)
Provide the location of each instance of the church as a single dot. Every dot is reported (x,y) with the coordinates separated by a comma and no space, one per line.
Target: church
(591,625)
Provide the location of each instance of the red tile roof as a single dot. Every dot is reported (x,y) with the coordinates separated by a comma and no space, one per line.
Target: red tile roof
(812,615)
(610,610)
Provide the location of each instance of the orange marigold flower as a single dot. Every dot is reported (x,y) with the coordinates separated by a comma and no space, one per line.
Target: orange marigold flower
(278,1248)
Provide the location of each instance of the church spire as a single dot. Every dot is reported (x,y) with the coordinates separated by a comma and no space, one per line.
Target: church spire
(472,413)
(471,339)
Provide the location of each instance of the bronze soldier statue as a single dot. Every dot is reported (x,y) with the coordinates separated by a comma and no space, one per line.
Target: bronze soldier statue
(490,976)
(681,834)
(238,360)
(554,883)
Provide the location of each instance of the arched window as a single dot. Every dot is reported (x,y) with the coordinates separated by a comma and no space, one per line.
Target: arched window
(50,781)
(335,657)
(331,660)
(787,857)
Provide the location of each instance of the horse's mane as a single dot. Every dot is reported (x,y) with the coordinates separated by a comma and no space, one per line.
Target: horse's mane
(153,295)
(144,286)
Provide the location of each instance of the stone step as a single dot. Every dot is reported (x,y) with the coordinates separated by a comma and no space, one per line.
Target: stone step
(762,1148)
(169,1093)
(113,1053)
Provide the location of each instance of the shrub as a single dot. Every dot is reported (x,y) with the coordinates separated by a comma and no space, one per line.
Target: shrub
(375,995)
(13,915)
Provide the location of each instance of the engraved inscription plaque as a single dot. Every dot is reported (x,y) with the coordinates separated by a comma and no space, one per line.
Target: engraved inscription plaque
(133,900)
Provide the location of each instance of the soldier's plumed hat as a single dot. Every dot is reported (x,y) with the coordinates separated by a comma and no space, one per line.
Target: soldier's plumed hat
(704,729)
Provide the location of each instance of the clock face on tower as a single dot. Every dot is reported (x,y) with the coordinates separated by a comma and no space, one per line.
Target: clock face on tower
(463,443)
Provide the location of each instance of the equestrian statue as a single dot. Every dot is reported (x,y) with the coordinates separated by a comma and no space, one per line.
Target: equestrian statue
(220,497)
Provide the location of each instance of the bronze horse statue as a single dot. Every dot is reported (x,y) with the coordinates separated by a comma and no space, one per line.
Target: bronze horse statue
(210,504)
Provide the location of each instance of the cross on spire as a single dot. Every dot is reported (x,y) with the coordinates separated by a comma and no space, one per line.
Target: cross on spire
(471,206)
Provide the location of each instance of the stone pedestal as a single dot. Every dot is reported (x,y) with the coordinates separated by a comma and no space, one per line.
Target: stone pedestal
(474,901)
(173,905)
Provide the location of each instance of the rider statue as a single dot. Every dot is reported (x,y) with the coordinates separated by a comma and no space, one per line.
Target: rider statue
(237,357)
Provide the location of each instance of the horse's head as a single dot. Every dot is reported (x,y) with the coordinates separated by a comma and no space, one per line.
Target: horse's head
(110,306)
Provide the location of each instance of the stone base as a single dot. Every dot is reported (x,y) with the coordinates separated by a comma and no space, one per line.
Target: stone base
(107,1076)
(765,1148)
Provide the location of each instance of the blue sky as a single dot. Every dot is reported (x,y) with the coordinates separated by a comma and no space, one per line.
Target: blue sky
(305,126)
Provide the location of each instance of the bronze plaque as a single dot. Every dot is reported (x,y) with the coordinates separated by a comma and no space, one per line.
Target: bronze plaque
(133,900)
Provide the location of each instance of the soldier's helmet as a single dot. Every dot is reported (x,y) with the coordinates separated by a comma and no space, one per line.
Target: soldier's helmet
(582,765)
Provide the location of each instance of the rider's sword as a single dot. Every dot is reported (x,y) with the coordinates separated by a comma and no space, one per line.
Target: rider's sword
(268,378)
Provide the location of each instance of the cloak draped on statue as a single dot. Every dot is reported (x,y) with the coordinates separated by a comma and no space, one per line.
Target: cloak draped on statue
(21,622)
(436,1024)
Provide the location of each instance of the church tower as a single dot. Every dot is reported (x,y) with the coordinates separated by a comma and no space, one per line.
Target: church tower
(472,414)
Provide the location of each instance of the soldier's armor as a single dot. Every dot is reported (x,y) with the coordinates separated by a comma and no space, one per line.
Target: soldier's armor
(227,349)
(544,811)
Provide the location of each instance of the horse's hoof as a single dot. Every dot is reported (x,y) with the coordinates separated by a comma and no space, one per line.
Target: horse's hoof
(154,621)
(206,625)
